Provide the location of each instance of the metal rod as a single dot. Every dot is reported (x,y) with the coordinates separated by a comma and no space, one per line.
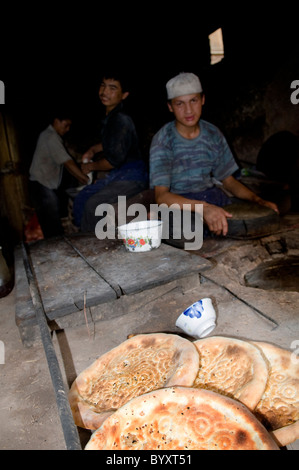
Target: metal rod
(69,428)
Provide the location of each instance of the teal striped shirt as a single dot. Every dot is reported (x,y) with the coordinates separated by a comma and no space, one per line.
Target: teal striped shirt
(190,165)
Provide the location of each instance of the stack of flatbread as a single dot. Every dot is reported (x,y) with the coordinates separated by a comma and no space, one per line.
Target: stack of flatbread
(137,366)
(182,418)
(162,391)
(278,408)
(262,376)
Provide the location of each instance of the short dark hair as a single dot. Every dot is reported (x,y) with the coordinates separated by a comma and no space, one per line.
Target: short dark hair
(118,75)
(61,115)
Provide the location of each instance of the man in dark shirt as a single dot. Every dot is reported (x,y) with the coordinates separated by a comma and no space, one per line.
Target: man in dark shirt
(119,161)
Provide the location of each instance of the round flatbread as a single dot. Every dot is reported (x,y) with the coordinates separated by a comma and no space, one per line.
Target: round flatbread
(140,364)
(232,367)
(279,406)
(181,418)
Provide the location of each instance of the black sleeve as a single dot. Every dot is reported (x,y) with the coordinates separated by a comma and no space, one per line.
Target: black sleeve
(117,139)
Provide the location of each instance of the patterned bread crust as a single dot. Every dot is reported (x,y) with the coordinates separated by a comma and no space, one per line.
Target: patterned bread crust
(279,406)
(137,366)
(232,367)
(182,418)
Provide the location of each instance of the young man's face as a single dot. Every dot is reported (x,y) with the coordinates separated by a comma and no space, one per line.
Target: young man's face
(187,109)
(111,93)
(62,126)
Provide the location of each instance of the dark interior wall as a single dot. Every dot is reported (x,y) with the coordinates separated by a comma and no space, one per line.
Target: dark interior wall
(40,83)
(47,64)
(247,94)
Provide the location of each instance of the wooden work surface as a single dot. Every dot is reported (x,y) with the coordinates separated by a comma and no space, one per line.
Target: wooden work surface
(71,270)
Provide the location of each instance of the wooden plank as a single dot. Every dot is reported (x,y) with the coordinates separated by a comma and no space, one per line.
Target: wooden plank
(13,188)
(134,272)
(64,277)
(24,306)
(25,313)
(66,268)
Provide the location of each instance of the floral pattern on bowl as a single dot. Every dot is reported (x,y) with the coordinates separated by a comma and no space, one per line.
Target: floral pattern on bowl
(141,236)
(133,243)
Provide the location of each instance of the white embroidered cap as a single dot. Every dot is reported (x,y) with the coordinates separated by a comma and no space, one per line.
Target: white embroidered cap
(183,84)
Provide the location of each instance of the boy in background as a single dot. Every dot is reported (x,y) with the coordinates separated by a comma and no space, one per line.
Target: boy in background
(45,175)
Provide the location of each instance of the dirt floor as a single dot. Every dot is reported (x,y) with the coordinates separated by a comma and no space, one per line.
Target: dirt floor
(28,411)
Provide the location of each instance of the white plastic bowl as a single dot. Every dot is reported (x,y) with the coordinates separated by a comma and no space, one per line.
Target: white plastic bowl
(141,236)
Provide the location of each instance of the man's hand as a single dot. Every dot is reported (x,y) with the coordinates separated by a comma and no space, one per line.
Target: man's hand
(71,166)
(87,156)
(100,165)
(242,192)
(87,168)
(269,204)
(216,219)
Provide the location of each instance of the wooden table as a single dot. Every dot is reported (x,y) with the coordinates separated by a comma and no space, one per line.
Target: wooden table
(81,273)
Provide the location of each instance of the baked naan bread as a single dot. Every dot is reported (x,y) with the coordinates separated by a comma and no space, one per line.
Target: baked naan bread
(182,418)
(232,367)
(138,365)
(279,406)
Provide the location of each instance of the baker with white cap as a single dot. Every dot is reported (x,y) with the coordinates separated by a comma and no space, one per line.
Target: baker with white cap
(188,155)
(185,100)
(183,84)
